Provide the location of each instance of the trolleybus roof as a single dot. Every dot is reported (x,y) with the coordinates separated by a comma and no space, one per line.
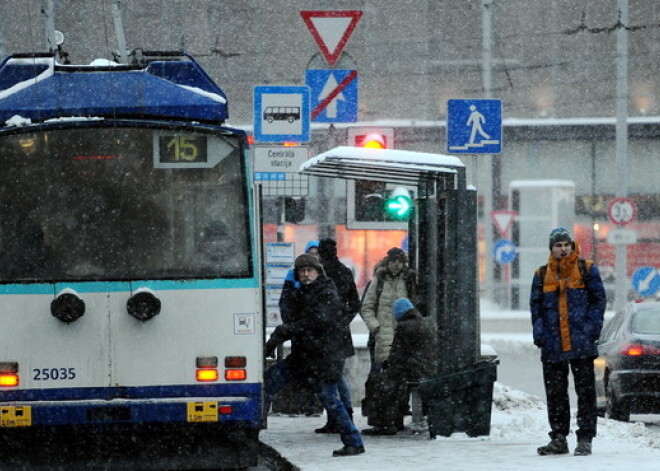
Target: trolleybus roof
(37,88)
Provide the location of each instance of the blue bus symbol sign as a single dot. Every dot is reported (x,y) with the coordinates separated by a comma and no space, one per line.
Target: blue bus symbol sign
(474,126)
(281,114)
(646,281)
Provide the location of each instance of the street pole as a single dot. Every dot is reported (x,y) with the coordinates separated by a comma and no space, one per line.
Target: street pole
(621,283)
(490,200)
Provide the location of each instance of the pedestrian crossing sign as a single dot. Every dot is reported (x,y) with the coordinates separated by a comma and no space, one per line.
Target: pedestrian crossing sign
(474,126)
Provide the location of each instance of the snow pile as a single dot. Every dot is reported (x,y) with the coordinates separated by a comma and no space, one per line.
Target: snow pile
(17,120)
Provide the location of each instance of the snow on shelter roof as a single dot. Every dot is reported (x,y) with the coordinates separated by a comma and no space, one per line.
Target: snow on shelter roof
(164,86)
(392,165)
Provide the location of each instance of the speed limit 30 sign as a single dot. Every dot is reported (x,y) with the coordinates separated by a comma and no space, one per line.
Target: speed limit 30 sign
(622,211)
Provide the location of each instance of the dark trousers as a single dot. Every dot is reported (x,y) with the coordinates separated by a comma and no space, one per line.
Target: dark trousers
(282,373)
(555,377)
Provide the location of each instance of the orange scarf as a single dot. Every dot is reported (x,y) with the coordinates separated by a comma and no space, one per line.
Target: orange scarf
(561,275)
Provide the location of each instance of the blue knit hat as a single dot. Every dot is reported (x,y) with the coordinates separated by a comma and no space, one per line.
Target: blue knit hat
(311,244)
(400,307)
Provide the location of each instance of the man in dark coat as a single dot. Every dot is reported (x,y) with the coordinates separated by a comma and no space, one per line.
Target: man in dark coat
(348,294)
(319,357)
(411,358)
(567,304)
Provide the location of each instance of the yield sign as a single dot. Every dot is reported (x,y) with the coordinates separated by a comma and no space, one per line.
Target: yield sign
(503,220)
(331,30)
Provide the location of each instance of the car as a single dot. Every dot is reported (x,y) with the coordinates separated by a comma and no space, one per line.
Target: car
(627,369)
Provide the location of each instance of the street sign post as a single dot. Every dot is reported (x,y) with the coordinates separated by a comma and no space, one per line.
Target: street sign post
(622,211)
(474,126)
(503,220)
(281,114)
(646,281)
(275,163)
(504,251)
(334,95)
(331,30)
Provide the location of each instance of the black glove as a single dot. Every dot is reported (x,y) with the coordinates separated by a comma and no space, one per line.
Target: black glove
(271,345)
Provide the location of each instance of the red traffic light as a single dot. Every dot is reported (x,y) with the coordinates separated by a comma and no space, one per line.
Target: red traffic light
(371,137)
(372,141)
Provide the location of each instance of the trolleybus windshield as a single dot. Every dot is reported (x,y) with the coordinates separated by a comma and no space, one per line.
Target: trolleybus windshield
(116,203)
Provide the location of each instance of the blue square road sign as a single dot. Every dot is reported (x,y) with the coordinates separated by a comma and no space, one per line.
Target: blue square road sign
(474,126)
(281,114)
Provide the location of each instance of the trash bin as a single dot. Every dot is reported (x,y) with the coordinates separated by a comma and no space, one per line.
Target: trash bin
(460,401)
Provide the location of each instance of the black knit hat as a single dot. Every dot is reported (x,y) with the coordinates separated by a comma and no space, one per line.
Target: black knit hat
(559,235)
(327,249)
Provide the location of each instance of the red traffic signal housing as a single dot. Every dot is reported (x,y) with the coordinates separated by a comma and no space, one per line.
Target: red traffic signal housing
(370,137)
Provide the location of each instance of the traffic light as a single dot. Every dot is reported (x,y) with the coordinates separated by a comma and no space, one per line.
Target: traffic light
(369,200)
(399,204)
(371,137)
(294,209)
(378,205)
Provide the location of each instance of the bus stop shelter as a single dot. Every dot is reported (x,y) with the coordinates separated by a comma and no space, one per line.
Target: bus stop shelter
(443,249)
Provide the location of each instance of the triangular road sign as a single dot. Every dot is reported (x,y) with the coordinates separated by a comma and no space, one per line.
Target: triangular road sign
(503,221)
(331,30)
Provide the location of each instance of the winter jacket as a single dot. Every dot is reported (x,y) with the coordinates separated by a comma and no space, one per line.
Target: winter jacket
(290,290)
(381,323)
(318,356)
(343,279)
(414,349)
(567,311)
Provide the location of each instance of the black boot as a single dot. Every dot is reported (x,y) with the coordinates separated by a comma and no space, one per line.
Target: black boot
(329,427)
(557,446)
(348,451)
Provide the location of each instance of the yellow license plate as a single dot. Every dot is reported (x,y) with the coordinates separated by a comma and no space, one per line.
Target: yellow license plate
(15,416)
(205,411)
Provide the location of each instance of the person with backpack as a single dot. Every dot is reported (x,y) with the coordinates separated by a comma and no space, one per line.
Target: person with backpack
(392,280)
(567,304)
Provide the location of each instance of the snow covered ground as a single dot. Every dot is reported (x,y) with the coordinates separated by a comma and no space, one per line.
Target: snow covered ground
(518,427)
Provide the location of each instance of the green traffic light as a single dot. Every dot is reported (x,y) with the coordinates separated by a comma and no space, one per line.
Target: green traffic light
(399,207)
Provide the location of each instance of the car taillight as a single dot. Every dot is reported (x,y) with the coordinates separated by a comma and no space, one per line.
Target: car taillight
(638,349)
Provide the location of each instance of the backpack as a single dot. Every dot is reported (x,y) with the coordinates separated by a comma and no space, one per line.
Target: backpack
(379,290)
(583,265)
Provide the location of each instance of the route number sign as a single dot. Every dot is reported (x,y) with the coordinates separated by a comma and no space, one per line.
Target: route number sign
(622,211)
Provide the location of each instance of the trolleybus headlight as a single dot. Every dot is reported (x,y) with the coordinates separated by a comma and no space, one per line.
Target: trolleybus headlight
(143,305)
(67,306)
(9,374)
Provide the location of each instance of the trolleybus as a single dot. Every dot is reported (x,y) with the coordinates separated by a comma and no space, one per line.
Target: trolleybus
(130,292)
